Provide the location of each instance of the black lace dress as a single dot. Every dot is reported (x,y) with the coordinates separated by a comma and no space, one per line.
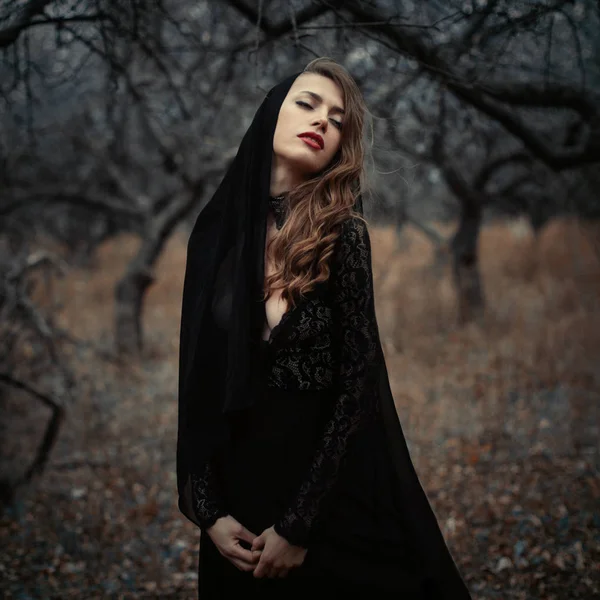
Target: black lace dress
(287,464)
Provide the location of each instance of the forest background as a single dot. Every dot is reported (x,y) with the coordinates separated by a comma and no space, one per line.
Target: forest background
(118,120)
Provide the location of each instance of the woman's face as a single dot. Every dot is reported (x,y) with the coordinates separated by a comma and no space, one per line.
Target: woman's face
(308,132)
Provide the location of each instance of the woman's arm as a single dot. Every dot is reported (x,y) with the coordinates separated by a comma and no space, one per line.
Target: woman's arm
(355,315)
(227,533)
(207,499)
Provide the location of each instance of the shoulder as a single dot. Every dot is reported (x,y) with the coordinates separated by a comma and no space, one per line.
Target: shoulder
(353,236)
(353,246)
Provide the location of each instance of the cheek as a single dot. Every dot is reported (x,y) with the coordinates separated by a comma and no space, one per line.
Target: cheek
(280,129)
(277,138)
(334,146)
(281,145)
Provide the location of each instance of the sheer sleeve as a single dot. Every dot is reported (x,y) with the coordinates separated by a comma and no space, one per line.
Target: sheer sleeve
(206,492)
(353,305)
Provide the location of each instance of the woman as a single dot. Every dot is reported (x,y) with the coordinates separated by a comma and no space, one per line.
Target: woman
(290,455)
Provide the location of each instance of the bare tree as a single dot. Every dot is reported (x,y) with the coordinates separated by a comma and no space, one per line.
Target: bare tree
(22,324)
(146,100)
(467,63)
(131,160)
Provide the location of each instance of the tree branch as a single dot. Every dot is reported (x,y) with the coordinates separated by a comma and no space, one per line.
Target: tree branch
(491,167)
(46,399)
(21,20)
(72,196)
(274,30)
(489,99)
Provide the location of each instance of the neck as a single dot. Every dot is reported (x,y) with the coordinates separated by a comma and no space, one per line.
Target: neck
(283,177)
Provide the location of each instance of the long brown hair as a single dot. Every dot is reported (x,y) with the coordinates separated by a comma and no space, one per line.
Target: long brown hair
(301,249)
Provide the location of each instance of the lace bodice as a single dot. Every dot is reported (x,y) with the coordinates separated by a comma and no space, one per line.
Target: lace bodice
(327,341)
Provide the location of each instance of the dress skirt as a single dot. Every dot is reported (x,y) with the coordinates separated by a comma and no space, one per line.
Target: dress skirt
(355,548)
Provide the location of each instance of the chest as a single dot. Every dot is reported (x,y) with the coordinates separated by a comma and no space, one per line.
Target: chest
(310,321)
(299,340)
(304,329)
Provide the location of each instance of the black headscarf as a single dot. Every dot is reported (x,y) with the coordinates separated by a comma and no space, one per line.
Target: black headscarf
(232,226)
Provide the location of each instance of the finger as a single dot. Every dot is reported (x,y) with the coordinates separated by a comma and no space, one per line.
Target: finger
(239,553)
(256,554)
(259,571)
(269,573)
(244,534)
(274,572)
(263,568)
(258,543)
(242,565)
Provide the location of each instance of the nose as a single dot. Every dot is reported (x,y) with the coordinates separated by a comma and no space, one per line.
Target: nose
(322,122)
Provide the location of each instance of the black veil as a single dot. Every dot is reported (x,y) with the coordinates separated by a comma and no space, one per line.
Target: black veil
(232,225)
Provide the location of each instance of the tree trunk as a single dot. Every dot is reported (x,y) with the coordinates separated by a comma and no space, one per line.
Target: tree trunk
(131,289)
(467,278)
(11,483)
(130,293)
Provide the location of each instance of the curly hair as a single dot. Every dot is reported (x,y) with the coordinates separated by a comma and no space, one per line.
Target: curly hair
(301,249)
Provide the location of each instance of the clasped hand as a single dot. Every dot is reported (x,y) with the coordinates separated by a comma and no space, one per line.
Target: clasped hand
(276,555)
(271,555)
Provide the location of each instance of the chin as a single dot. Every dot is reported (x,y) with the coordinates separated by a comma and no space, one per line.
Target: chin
(305,164)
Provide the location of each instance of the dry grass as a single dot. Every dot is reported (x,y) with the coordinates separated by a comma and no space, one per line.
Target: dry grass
(525,378)
(541,330)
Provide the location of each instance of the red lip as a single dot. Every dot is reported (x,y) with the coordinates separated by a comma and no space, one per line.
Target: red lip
(313,136)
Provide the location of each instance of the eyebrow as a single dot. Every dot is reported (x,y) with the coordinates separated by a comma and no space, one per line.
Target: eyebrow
(319,99)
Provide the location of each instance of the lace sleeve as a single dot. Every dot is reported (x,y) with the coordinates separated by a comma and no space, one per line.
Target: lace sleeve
(207,501)
(355,315)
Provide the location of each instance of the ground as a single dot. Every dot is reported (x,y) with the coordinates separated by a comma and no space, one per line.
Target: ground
(502,420)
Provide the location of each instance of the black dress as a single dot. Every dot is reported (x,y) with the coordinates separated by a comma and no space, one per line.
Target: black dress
(288,462)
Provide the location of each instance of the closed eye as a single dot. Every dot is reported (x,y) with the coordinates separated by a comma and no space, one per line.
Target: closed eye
(306,105)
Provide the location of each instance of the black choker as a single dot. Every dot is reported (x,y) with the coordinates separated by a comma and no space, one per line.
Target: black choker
(278,206)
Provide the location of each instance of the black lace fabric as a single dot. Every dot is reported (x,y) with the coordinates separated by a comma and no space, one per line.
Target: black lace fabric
(304,359)
(278,206)
(207,498)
